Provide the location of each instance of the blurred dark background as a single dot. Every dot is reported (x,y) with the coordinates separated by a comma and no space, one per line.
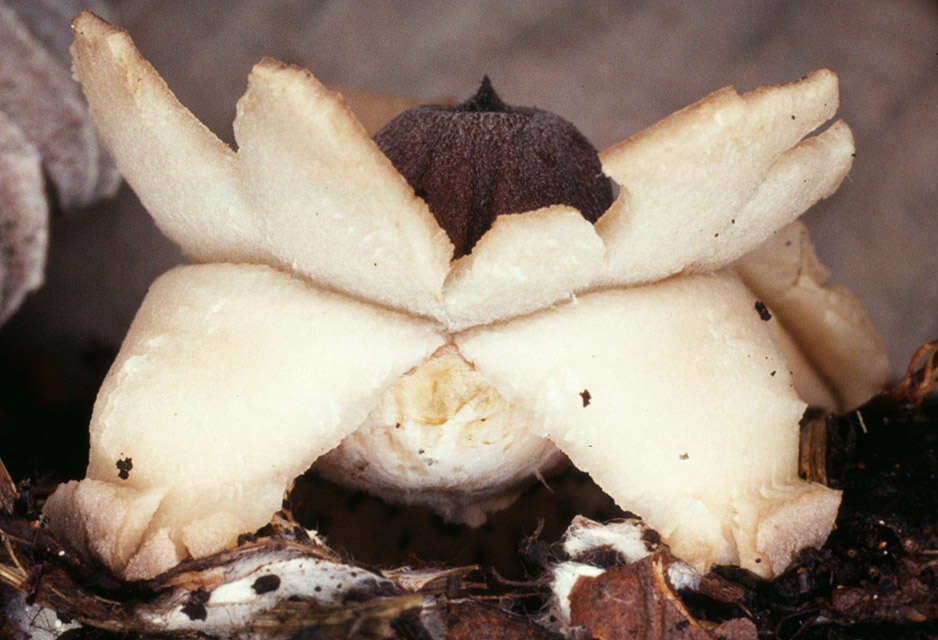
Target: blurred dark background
(612,68)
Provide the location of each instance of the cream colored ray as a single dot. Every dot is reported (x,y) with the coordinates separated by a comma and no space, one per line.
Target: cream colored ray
(675,400)
(827,321)
(525,262)
(333,206)
(182,173)
(107,520)
(811,386)
(810,171)
(232,380)
(689,179)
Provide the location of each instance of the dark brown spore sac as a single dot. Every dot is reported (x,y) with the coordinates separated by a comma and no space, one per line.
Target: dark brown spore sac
(474,161)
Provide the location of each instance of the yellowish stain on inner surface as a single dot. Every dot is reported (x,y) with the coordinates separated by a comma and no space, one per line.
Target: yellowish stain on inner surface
(440,388)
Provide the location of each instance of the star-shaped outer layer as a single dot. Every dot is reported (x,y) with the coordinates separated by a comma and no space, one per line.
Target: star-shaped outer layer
(324,279)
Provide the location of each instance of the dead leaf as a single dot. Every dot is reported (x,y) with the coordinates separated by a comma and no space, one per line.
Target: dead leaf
(633,602)
(24,217)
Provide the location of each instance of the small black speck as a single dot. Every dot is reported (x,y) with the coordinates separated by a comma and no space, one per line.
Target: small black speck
(124,465)
(758,560)
(853,155)
(195,607)
(195,611)
(651,539)
(792,116)
(684,456)
(420,451)
(732,220)
(317,588)
(397,425)
(772,374)
(266,584)
(586,397)
(763,311)
(716,235)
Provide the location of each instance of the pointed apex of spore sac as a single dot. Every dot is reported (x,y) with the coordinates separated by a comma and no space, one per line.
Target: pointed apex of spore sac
(485,99)
(483,158)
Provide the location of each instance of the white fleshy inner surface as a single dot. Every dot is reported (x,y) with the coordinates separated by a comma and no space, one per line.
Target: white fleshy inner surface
(442,437)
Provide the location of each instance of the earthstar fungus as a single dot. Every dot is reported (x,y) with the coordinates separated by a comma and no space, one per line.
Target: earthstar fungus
(327,317)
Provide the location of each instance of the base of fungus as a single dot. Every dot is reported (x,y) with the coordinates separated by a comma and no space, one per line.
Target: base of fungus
(853,553)
(443,406)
